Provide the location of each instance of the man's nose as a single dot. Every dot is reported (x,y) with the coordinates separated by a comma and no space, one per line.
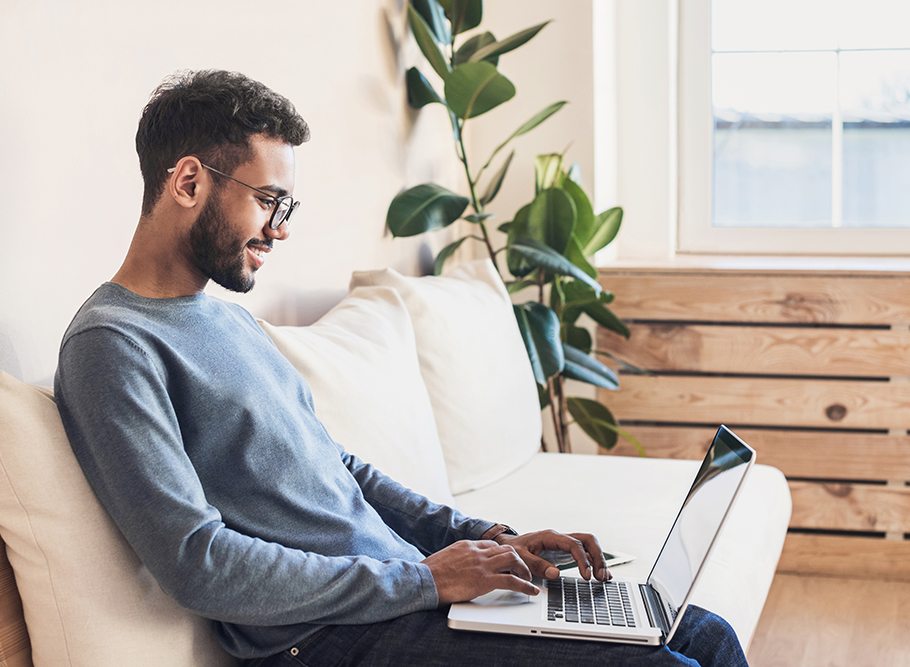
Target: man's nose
(280,234)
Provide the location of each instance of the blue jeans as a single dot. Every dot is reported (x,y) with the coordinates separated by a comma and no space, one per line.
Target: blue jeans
(423,639)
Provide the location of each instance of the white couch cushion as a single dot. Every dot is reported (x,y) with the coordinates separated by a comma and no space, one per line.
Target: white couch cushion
(86,597)
(630,504)
(360,361)
(475,367)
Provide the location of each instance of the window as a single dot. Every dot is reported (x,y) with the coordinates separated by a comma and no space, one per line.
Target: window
(794,126)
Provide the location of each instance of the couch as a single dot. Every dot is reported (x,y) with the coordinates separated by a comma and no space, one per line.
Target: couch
(426,378)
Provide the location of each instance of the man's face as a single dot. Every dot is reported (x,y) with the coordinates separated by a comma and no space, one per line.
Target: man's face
(219,250)
(230,237)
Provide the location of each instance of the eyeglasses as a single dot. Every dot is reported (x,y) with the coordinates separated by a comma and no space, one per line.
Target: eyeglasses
(283,208)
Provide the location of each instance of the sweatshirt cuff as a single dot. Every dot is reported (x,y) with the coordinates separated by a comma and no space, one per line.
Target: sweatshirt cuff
(427,587)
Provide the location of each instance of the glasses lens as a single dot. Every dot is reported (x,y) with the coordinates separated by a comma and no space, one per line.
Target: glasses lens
(281,212)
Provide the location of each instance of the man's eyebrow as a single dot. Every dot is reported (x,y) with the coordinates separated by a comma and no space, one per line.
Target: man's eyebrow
(279,191)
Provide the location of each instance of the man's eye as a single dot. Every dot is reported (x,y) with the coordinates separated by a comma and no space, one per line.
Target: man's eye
(267,203)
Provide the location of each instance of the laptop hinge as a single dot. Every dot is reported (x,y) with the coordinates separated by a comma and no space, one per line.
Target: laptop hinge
(655,609)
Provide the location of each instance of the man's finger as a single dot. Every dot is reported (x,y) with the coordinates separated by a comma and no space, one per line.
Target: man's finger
(540,567)
(595,555)
(508,561)
(510,582)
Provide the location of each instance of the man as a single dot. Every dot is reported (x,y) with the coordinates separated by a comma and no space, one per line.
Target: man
(201,441)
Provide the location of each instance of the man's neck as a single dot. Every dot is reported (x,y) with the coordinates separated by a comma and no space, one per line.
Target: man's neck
(155,266)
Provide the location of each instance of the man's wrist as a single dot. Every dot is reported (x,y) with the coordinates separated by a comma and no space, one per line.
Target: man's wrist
(498,530)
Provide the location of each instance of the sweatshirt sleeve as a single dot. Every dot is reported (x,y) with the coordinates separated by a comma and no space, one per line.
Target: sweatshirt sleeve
(114,401)
(425,524)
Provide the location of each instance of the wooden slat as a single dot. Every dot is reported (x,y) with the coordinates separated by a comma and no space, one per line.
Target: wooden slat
(861,507)
(748,296)
(762,401)
(823,455)
(764,350)
(846,556)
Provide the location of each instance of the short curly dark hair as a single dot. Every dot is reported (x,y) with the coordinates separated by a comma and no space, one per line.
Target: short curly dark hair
(210,114)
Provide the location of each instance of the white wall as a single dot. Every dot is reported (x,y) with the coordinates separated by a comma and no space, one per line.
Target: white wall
(74,77)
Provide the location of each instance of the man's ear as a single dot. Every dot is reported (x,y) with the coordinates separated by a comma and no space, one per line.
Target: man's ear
(185,184)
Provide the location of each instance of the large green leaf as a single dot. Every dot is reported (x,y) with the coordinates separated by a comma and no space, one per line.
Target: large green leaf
(445,253)
(584,223)
(435,17)
(527,126)
(469,48)
(551,219)
(576,255)
(606,227)
(517,286)
(427,42)
(463,14)
(420,91)
(544,257)
(508,44)
(581,298)
(606,318)
(496,181)
(548,172)
(539,329)
(585,368)
(578,337)
(595,419)
(474,88)
(423,208)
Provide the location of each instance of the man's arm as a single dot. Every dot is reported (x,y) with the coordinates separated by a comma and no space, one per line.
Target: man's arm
(115,405)
(425,524)
(470,557)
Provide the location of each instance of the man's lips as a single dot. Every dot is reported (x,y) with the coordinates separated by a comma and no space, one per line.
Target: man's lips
(257,252)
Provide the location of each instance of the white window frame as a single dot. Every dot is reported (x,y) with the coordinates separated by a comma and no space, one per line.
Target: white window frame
(695,232)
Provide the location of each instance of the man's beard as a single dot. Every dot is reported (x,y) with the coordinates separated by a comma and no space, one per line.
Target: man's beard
(219,253)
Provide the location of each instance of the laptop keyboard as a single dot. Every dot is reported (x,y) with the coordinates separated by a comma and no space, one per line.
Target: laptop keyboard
(594,602)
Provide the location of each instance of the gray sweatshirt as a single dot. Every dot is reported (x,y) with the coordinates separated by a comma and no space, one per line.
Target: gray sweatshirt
(202,443)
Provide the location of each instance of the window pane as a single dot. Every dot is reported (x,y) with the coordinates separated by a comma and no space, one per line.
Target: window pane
(875,98)
(874,24)
(773,139)
(773,25)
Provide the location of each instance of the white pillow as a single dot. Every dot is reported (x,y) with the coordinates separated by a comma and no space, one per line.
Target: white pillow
(86,597)
(475,367)
(360,361)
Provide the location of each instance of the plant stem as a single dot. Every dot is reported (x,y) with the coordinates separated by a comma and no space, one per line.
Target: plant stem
(478,208)
(555,413)
(565,445)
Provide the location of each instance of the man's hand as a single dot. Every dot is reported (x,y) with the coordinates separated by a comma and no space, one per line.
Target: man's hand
(584,547)
(466,569)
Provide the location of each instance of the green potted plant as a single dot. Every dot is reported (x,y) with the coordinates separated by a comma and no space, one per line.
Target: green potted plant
(549,243)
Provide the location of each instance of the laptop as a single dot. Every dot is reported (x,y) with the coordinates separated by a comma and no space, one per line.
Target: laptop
(622,610)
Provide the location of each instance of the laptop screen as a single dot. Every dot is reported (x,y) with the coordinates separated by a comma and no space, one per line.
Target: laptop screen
(700,518)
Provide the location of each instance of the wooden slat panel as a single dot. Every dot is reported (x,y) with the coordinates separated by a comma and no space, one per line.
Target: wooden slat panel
(764,350)
(863,507)
(748,296)
(823,455)
(846,557)
(762,401)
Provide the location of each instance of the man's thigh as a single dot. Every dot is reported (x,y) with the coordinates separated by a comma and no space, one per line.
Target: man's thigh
(425,639)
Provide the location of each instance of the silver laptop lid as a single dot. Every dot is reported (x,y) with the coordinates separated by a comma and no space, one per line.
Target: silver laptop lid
(699,522)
